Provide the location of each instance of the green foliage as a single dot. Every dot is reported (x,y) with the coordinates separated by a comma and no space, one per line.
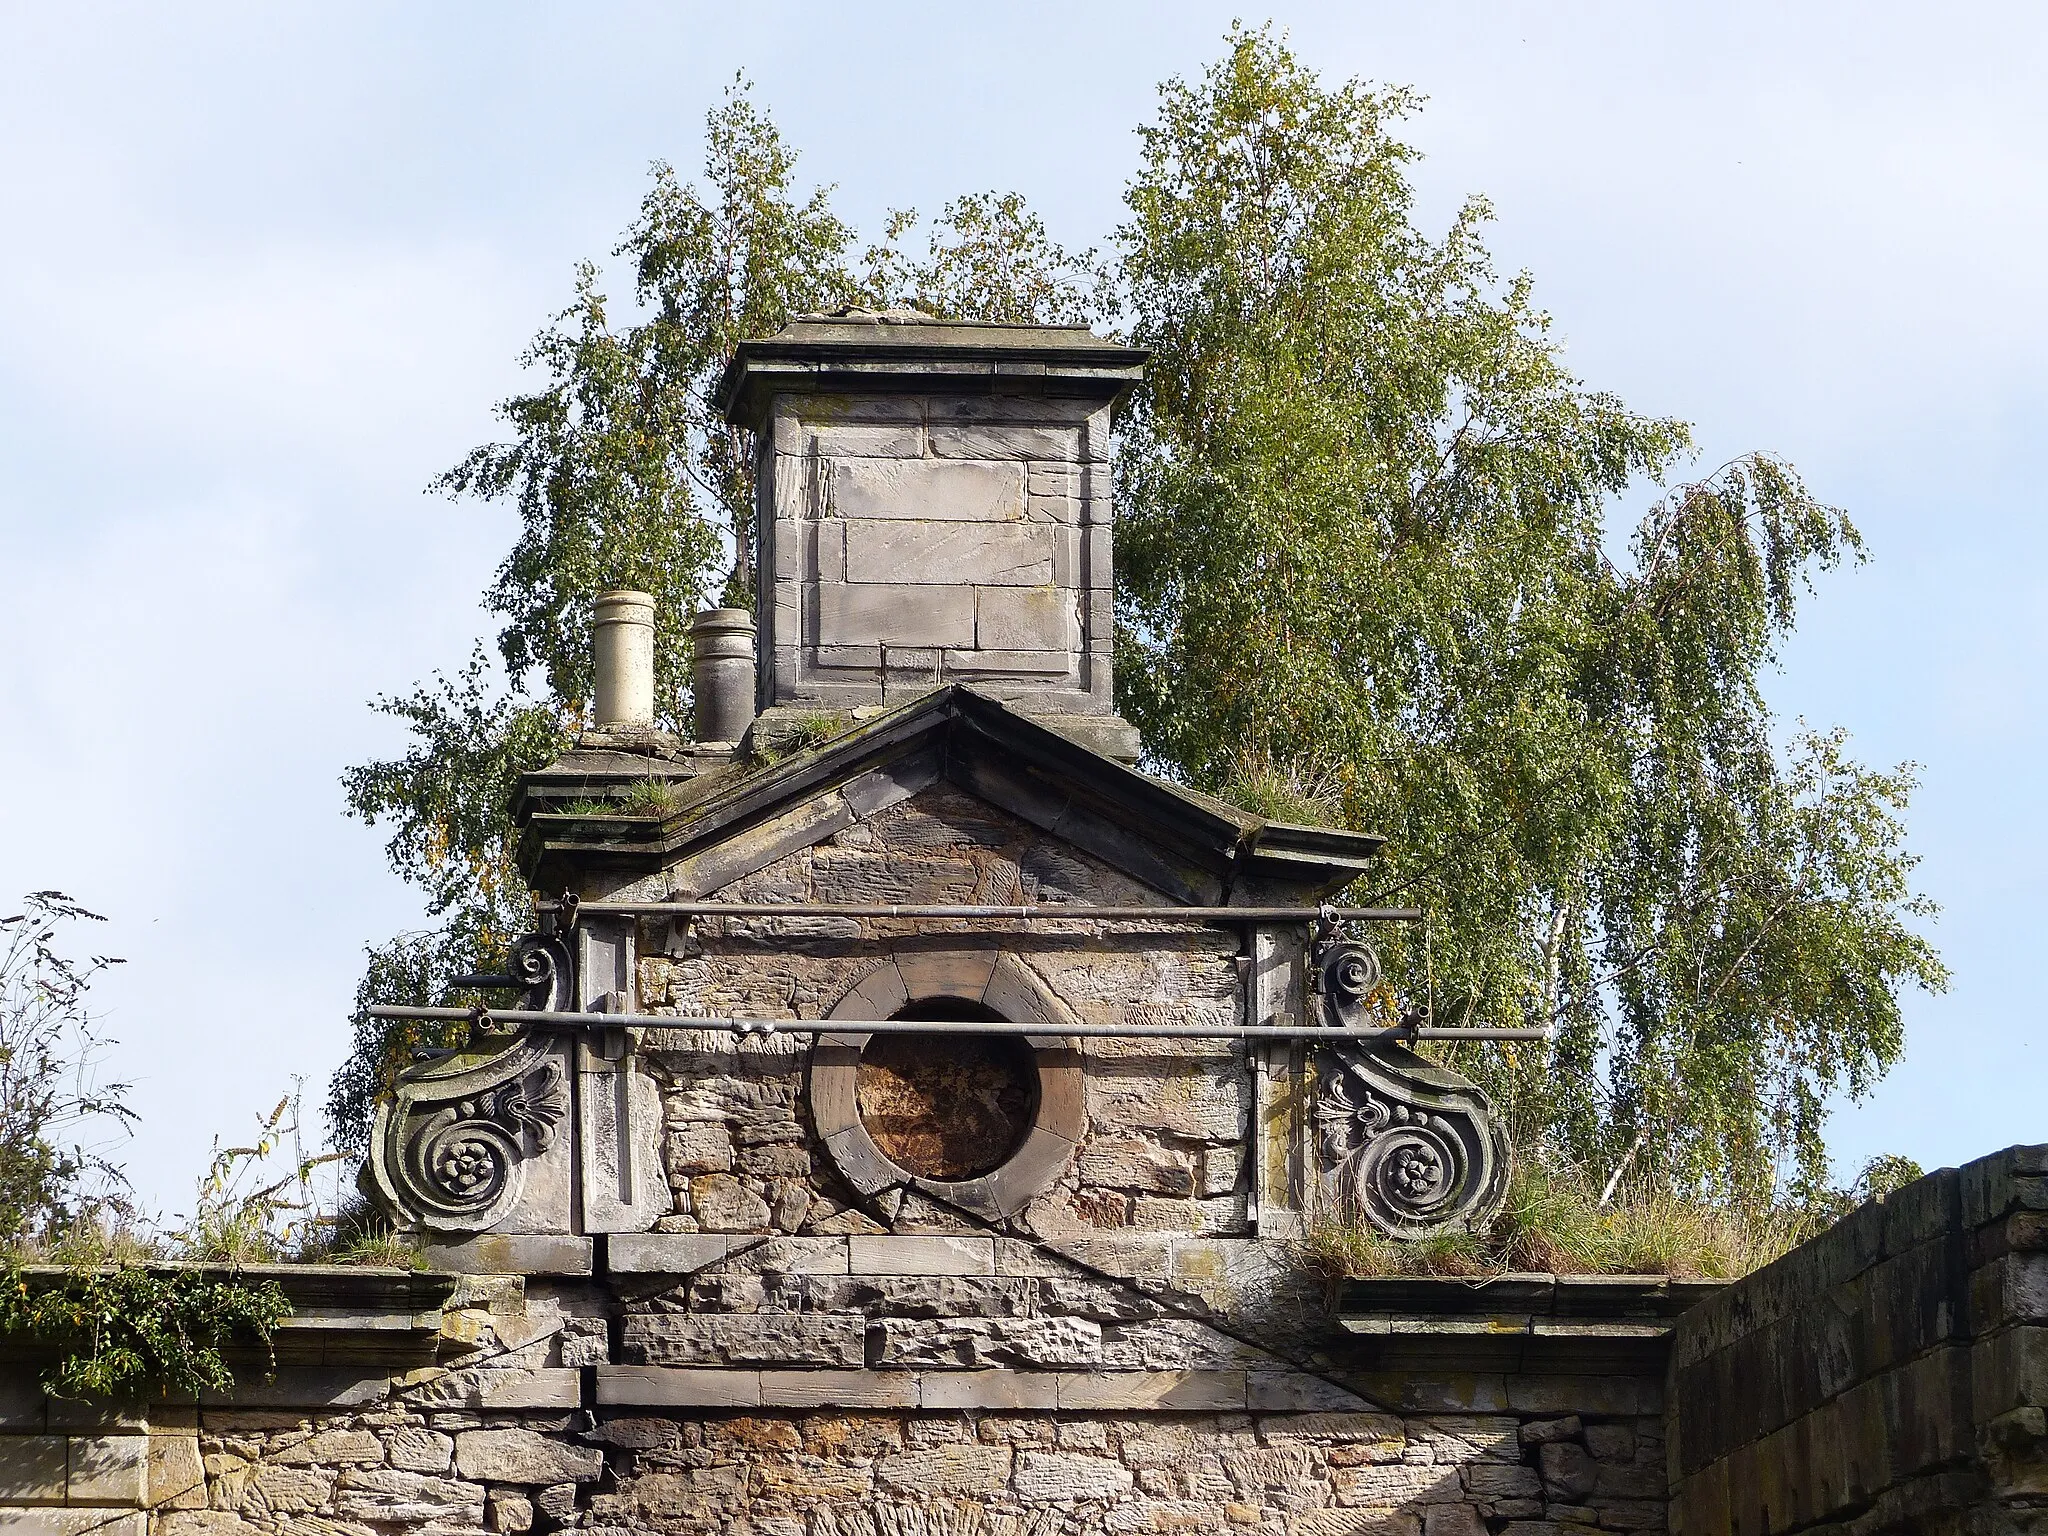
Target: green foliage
(244,1215)
(624,474)
(48,1044)
(1364,538)
(126,1330)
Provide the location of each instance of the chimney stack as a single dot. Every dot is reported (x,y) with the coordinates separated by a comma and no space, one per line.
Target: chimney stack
(933,506)
(622,639)
(724,673)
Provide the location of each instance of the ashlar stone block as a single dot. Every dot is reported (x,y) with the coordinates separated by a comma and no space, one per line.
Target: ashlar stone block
(885,610)
(945,553)
(926,490)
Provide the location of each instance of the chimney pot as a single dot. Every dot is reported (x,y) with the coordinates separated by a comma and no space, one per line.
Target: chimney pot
(622,639)
(724,673)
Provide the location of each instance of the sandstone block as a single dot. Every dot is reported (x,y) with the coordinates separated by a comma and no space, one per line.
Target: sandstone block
(722,1203)
(699,1147)
(1568,1472)
(546,1388)
(1131,1162)
(664,1253)
(1611,1442)
(925,1255)
(926,490)
(767,1338)
(1062,445)
(839,1389)
(420,1450)
(949,556)
(334,1448)
(1385,1484)
(840,440)
(278,1490)
(177,1473)
(677,1386)
(1493,1480)
(990,1389)
(1067,1477)
(888,612)
(407,1499)
(509,1512)
(1541,1431)
(511,1254)
(521,1456)
(1452,1520)
(946,1470)
(1025,619)
(32,1468)
(1188,1391)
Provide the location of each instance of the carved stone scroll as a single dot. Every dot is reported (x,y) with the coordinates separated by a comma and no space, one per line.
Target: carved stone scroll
(1408,1145)
(452,1147)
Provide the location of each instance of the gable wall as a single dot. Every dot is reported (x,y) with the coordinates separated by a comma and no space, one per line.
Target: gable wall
(1167,1120)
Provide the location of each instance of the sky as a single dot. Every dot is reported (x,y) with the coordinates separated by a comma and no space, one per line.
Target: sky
(265,269)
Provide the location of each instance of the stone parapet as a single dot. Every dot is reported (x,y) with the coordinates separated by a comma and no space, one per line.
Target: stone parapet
(1892,1374)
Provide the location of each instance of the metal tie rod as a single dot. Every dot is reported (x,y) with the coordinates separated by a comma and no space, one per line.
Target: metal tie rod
(1054,912)
(946,1027)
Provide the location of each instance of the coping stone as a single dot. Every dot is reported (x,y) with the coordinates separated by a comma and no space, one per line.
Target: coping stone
(1181,1390)
(839,1389)
(514,1253)
(676,1386)
(992,1389)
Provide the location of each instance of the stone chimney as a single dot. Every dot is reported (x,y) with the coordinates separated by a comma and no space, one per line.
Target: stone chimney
(622,647)
(934,507)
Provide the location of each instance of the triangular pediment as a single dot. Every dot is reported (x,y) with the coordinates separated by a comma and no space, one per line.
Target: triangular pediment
(733,821)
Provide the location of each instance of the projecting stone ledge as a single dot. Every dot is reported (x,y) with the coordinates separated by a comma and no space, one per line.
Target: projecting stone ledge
(1047,1391)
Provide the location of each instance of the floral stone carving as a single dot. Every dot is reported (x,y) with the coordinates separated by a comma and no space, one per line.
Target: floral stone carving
(1408,1145)
(451,1147)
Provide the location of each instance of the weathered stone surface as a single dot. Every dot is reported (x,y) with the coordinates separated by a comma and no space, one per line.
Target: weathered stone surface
(521,1456)
(1130,1162)
(1061,1476)
(420,1450)
(278,1490)
(334,1448)
(947,1470)
(926,489)
(761,1339)
(32,1468)
(722,1203)
(1568,1472)
(389,1496)
(177,1472)
(508,1512)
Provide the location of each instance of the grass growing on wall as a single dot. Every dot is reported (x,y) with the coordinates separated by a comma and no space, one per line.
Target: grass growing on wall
(1555,1223)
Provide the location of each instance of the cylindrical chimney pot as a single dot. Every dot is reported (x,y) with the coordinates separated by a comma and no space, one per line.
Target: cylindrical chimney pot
(724,673)
(622,638)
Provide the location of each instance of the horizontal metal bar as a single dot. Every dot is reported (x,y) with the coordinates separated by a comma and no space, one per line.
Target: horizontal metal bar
(1055,912)
(947,1027)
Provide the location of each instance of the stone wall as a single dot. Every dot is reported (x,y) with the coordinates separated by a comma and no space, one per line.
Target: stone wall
(1891,1375)
(1168,1120)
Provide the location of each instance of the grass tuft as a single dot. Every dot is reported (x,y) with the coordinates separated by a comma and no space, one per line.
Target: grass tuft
(1278,791)
(1554,1223)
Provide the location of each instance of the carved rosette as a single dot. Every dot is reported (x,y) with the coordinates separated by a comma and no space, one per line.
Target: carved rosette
(449,1150)
(1407,1145)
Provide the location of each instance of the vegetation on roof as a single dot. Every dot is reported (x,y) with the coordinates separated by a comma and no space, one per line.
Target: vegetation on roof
(1560,1222)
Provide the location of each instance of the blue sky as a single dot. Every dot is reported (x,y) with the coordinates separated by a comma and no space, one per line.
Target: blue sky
(266,268)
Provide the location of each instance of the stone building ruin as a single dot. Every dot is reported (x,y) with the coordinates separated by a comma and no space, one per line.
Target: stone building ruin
(905,1116)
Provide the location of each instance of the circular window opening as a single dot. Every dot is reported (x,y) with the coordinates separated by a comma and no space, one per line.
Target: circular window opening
(947,1107)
